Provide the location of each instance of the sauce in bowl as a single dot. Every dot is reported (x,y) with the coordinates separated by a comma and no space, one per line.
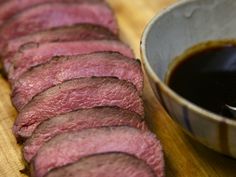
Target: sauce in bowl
(206,76)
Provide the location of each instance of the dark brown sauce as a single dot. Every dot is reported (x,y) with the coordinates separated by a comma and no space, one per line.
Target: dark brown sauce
(206,76)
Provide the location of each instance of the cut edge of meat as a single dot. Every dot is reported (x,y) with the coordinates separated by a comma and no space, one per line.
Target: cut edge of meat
(10,29)
(59,34)
(130,70)
(78,120)
(9,9)
(28,118)
(150,151)
(98,162)
(32,56)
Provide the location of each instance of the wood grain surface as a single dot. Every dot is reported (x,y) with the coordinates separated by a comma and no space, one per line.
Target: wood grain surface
(184,157)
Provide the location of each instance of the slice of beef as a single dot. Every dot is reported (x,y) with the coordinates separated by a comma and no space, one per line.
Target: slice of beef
(69,147)
(114,164)
(49,15)
(78,120)
(8,8)
(27,58)
(77,94)
(61,34)
(60,69)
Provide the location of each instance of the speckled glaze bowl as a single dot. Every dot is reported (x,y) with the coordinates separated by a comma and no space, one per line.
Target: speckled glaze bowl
(167,36)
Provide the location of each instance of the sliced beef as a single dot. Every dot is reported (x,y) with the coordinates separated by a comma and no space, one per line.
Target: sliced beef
(60,69)
(25,59)
(114,164)
(49,15)
(61,34)
(77,94)
(8,8)
(78,120)
(69,147)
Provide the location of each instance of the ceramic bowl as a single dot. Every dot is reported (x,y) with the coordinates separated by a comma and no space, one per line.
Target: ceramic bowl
(167,36)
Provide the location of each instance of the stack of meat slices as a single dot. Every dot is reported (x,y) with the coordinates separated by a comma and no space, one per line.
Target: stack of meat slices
(77,89)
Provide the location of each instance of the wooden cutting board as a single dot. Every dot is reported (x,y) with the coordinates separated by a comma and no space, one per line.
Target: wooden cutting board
(184,157)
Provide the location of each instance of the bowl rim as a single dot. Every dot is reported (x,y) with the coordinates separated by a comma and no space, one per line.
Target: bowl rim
(165,88)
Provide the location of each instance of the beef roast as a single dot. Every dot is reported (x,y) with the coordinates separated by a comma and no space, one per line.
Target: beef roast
(77,94)
(81,119)
(27,58)
(114,164)
(49,15)
(8,8)
(60,69)
(69,147)
(61,34)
